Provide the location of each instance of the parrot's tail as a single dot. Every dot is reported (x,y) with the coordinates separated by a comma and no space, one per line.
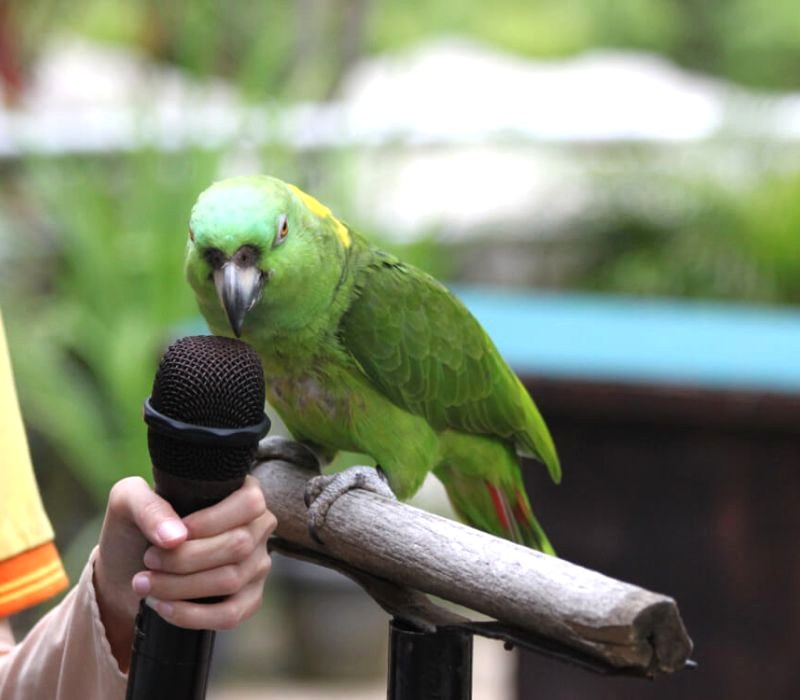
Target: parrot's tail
(500,509)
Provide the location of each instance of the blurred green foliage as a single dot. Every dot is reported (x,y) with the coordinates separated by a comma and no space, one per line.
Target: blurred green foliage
(737,39)
(724,243)
(300,48)
(93,294)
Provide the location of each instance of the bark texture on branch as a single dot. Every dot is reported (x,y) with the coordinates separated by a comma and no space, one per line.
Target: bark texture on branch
(622,624)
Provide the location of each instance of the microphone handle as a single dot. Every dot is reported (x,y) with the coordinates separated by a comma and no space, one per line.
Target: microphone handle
(170,662)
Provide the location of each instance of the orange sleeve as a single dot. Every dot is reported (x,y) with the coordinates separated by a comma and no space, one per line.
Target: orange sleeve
(30,578)
(30,568)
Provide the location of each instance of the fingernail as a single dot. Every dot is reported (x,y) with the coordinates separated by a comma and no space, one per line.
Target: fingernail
(152,560)
(141,584)
(171,530)
(162,608)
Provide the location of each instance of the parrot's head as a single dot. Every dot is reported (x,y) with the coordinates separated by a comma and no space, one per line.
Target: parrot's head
(263,254)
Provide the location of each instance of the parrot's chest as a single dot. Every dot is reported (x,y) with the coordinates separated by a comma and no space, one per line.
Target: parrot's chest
(315,405)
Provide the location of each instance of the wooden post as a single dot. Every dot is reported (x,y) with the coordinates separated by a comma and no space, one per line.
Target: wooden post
(623,625)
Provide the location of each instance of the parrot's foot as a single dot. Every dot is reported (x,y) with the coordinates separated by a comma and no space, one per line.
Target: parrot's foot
(322,491)
(277,447)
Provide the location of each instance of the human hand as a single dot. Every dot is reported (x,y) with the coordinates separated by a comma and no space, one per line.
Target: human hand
(147,551)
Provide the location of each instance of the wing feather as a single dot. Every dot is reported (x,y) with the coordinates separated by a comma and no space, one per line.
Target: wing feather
(424,350)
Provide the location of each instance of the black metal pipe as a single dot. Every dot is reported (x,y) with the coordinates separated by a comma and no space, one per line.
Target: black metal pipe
(429,665)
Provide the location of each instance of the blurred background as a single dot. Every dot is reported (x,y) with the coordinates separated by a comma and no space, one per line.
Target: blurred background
(613,187)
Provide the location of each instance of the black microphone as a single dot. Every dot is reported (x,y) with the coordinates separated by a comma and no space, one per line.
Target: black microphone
(205,417)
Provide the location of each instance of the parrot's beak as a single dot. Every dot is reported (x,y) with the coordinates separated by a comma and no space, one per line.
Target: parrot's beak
(238,288)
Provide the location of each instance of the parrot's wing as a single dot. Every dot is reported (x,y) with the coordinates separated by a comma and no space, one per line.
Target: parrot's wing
(422,348)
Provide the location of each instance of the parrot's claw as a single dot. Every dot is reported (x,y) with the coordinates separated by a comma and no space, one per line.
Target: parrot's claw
(322,492)
(277,447)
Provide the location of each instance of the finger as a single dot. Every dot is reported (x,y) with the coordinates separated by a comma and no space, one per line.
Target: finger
(223,581)
(211,616)
(230,547)
(239,508)
(134,500)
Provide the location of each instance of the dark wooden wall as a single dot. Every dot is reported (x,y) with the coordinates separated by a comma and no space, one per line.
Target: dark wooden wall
(690,492)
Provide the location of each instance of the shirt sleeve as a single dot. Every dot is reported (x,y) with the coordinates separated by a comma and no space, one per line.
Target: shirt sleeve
(30,567)
(66,656)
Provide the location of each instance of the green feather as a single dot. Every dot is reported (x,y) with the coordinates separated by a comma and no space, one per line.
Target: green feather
(400,310)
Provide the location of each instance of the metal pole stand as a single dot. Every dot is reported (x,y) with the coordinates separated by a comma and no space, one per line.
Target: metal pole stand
(437,665)
(426,665)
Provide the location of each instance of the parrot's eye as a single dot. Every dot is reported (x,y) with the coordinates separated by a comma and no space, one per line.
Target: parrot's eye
(283,230)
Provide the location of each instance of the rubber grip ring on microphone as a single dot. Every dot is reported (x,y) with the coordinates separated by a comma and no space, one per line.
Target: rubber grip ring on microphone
(247,436)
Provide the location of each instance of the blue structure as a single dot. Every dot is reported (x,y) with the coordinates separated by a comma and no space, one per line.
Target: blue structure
(610,338)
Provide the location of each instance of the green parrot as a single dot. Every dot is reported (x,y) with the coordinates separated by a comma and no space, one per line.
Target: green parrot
(365,353)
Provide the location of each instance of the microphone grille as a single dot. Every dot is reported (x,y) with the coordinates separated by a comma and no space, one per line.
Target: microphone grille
(211,381)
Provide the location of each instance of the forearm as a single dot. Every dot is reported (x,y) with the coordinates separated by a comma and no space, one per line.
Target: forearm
(66,655)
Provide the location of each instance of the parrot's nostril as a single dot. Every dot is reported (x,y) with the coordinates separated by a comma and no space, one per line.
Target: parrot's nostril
(214,257)
(247,256)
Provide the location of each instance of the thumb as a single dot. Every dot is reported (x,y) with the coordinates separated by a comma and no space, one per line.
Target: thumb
(152,515)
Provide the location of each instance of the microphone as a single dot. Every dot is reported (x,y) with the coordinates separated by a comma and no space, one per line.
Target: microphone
(205,417)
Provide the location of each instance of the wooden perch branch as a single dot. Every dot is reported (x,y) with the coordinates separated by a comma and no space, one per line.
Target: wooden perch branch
(626,626)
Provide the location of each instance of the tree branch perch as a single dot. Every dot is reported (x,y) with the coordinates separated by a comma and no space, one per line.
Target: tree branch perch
(623,625)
